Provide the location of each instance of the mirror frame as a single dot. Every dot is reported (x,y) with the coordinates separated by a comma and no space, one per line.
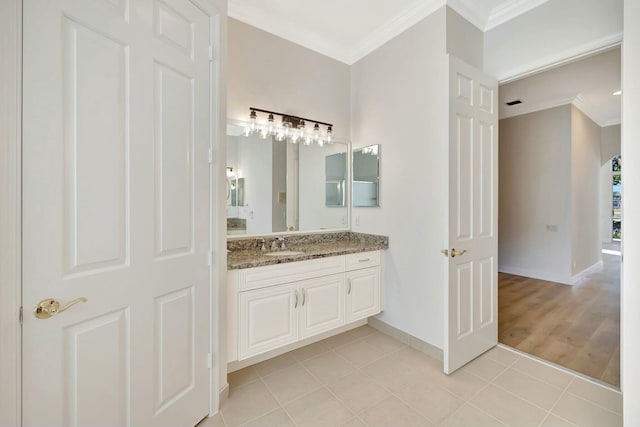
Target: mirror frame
(347,143)
(379,189)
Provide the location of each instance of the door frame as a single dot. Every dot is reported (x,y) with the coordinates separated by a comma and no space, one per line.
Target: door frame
(11,203)
(10,210)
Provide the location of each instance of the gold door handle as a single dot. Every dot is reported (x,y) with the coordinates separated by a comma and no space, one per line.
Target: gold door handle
(455,253)
(50,307)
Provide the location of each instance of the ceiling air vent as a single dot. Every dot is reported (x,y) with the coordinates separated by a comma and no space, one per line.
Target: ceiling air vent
(514,102)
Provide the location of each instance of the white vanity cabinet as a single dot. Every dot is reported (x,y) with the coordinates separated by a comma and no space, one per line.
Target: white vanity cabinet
(277,305)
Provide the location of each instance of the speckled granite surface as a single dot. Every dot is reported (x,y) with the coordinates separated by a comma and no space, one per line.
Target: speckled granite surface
(246,253)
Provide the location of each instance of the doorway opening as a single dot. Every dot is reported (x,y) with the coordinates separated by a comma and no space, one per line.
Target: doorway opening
(558,286)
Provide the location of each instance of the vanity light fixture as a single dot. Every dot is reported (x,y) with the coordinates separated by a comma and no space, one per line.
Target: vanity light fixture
(292,128)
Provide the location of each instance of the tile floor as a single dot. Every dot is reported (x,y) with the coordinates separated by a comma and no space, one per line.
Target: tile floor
(366,378)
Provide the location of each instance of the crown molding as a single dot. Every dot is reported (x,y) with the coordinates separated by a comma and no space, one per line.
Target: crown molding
(577,101)
(283,29)
(561,58)
(395,26)
(508,10)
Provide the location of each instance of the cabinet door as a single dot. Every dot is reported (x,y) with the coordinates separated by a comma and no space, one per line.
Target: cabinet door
(268,319)
(363,293)
(322,305)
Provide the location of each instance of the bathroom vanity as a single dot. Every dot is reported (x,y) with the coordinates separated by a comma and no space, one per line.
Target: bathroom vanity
(317,284)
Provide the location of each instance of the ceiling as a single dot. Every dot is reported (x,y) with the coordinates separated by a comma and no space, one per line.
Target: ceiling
(588,84)
(349,30)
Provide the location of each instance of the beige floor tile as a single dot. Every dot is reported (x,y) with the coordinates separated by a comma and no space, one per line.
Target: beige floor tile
(460,383)
(338,340)
(215,421)
(320,409)
(585,413)
(485,368)
(418,361)
(508,408)
(358,392)
(329,367)
(543,372)
(290,383)
(468,416)
(553,421)
(243,376)
(597,394)
(310,351)
(529,388)
(360,353)
(429,400)
(356,422)
(501,355)
(393,413)
(277,418)
(271,365)
(383,342)
(362,331)
(390,372)
(247,403)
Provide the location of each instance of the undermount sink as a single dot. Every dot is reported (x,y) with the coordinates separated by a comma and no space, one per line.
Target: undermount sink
(284,253)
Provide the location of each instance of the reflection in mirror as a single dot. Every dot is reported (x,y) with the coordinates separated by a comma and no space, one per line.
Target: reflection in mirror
(366,176)
(276,186)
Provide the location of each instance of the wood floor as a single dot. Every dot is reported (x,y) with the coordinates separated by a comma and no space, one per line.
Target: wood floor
(573,326)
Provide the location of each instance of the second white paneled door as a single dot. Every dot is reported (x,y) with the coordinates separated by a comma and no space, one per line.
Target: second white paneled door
(472,289)
(116,210)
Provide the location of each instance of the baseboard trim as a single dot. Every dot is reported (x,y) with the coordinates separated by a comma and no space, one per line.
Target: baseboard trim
(223,395)
(541,275)
(405,338)
(589,270)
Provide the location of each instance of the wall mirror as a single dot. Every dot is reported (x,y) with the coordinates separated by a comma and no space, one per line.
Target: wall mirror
(366,176)
(278,186)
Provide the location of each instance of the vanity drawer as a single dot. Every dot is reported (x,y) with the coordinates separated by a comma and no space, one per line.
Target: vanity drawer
(362,260)
(269,275)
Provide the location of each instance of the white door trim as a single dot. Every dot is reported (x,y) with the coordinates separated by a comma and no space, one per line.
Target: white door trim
(10,213)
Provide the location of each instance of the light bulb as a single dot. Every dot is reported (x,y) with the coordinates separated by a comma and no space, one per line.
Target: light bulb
(252,121)
(329,132)
(270,125)
(316,132)
(286,126)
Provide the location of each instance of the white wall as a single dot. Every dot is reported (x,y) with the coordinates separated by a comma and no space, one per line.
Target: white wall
(535,192)
(549,33)
(631,232)
(464,40)
(398,94)
(271,73)
(611,143)
(585,192)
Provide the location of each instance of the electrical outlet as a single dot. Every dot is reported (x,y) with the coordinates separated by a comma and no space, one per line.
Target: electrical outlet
(358,220)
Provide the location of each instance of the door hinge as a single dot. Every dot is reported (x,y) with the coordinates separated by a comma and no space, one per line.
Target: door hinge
(210,53)
(21,315)
(210,158)
(209,258)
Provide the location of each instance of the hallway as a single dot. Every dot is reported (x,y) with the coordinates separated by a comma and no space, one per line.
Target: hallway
(577,326)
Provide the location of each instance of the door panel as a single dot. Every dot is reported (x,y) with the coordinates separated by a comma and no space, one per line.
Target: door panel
(363,293)
(268,319)
(116,195)
(471,319)
(322,305)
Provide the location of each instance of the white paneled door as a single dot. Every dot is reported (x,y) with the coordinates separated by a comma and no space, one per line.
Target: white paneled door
(472,294)
(116,212)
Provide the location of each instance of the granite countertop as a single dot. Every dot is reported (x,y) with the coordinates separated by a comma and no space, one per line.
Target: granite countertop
(246,253)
